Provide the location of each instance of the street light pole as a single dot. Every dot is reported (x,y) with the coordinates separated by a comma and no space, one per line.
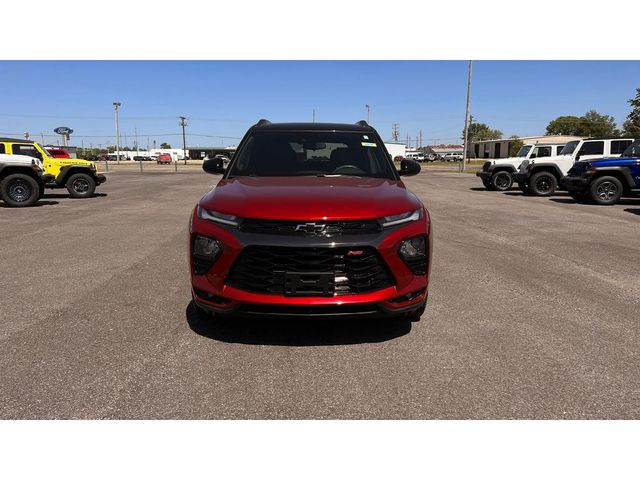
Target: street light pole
(466,120)
(368,113)
(116,105)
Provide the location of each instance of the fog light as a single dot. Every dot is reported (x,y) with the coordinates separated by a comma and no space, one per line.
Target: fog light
(205,253)
(414,253)
(205,246)
(412,248)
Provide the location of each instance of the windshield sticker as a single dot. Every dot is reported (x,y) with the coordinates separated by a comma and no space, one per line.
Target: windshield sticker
(369,144)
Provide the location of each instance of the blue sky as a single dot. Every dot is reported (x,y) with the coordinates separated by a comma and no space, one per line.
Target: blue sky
(223,98)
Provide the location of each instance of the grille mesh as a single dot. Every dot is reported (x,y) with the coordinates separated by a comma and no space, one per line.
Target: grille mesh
(262,269)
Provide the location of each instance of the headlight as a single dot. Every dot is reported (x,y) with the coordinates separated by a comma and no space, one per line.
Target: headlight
(406,217)
(205,252)
(414,253)
(218,217)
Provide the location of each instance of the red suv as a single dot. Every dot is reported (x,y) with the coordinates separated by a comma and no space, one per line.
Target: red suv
(310,219)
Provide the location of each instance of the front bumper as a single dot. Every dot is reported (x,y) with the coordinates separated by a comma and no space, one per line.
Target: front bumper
(407,293)
(100,179)
(484,174)
(575,183)
(520,177)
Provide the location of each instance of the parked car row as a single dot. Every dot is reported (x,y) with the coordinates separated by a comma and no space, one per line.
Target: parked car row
(27,168)
(430,157)
(601,170)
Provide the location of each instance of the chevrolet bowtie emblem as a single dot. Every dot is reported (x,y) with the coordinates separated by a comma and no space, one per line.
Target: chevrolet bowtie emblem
(311,227)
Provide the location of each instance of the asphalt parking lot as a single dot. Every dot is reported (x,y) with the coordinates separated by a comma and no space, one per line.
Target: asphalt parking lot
(533,314)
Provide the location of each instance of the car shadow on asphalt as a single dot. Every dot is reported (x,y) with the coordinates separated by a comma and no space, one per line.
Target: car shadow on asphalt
(296,331)
(66,195)
(39,203)
(635,211)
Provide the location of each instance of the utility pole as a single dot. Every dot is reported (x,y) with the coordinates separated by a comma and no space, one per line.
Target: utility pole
(183,123)
(135,133)
(368,114)
(466,120)
(314,115)
(117,105)
(420,138)
(395,132)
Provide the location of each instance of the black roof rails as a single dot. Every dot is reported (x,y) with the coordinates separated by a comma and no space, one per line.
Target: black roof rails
(362,123)
(262,122)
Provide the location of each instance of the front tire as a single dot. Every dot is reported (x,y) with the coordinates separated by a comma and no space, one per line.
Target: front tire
(605,190)
(543,184)
(81,185)
(19,190)
(501,181)
(487,184)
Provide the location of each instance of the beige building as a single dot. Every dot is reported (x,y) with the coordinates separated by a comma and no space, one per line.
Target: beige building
(501,148)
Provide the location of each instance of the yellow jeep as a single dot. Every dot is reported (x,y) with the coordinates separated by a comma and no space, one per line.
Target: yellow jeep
(80,177)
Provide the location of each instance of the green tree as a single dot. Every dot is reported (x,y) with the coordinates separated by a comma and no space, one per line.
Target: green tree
(632,123)
(591,124)
(165,145)
(516,145)
(598,125)
(481,131)
(565,125)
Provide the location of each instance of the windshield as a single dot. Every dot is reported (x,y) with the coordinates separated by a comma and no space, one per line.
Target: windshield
(569,148)
(632,150)
(523,151)
(289,154)
(43,150)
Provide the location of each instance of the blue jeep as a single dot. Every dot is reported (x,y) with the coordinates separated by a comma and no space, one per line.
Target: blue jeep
(605,180)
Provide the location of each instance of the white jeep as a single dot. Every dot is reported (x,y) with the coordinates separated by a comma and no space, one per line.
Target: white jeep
(21,180)
(542,177)
(498,174)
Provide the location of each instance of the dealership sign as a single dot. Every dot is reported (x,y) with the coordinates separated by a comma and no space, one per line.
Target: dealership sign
(63,131)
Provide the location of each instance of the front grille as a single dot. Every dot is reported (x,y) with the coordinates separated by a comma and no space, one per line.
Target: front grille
(266,269)
(316,229)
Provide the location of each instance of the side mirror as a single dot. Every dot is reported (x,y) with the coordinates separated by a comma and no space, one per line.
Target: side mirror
(213,165)
(533,155)
(577,157)
(409,167)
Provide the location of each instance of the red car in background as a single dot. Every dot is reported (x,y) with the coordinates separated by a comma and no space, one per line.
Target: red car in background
(164,158)
(58,153)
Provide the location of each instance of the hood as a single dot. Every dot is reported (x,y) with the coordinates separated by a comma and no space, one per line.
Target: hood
(310,198)
(74,161)
(615,161)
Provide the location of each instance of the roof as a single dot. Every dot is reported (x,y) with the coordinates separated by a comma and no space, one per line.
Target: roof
(19,140)
(345,127)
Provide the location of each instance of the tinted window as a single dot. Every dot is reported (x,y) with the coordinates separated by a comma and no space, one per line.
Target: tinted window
(542,152)
(559,149)
(633,150)
(592,148)
(619,146)
(28,150)
(1,147)
(287,154)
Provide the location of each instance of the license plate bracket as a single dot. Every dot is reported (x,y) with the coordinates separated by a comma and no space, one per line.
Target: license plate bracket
(305,284)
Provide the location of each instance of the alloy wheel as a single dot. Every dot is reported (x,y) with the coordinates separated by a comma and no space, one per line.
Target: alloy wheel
(607,190)
(19,191)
